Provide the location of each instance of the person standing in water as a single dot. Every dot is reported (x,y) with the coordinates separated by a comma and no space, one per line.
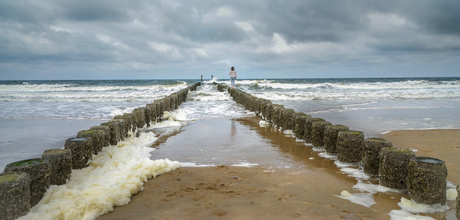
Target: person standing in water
(232,76)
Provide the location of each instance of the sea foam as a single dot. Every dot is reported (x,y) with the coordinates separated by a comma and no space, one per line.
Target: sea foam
(112,177)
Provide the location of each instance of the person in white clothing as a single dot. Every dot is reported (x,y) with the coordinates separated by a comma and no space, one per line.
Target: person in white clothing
(232,76)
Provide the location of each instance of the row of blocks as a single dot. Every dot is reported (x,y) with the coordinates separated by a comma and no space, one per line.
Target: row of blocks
(23,183)
(423,177)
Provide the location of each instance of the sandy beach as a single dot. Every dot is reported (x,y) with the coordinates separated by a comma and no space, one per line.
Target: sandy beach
(287,179)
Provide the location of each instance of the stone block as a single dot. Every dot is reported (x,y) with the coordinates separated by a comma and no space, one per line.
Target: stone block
(139,117)
(39,174)
(427,181)
(330,137)
(60,161)
(308,128)
(393,167)
(14,195)
(81,151)
(98,138)
(371,152)
(288,119)
(318,129)
(350,146)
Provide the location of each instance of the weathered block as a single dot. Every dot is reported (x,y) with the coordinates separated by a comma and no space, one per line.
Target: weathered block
(114,131)
(14,195)
(371,152)
(308,128)
(139,117)
(276,115)
(39,174)
(106,129)
(261,109)
(330,137)
(393,167)
(318,129)
(172,102)
(122,132)
(300,119)
(350,146)
(129,123)
(150,114)
(268,112)
(60,161)
(288,119)
(185,93)
(166,104)
(427,181)
(81,151)
(160,109)
(98,138)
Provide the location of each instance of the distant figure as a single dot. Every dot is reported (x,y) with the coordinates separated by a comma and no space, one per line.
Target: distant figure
(233,76)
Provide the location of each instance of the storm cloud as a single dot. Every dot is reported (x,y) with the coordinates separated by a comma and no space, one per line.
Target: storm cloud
(103,39)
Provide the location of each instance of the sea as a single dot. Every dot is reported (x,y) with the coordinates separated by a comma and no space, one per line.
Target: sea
(40,115)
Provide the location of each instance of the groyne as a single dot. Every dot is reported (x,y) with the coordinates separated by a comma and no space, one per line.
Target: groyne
(23,183)
(423,178)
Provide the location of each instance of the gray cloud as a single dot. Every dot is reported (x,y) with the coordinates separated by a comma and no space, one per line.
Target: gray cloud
(153,39)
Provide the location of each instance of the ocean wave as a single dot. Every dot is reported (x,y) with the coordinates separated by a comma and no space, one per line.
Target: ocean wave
(393,85)
(87,88)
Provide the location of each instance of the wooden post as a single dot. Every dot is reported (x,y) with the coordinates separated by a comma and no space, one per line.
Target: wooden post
(14,195)
(426,181)
(39,173)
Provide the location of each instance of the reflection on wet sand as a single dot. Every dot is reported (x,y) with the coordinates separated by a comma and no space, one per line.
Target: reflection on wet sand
(384,201)
(207,142)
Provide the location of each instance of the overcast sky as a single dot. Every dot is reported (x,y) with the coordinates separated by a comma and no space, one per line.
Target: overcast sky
(106,39)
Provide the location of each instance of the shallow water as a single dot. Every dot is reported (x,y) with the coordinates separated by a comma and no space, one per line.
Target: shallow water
(243,141)
(29,138)
(218,131)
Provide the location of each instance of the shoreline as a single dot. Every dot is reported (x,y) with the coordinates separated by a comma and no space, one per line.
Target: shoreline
(310,190)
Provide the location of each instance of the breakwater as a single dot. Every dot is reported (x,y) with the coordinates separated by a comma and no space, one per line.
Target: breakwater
(399,169)
(23,183)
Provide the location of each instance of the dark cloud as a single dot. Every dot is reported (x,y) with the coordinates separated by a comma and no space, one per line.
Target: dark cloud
(90,11)
(192,37)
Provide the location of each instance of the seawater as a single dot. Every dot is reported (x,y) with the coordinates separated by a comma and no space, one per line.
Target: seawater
(40,115)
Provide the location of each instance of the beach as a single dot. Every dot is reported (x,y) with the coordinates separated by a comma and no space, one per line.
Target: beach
(233,164)
(271,176)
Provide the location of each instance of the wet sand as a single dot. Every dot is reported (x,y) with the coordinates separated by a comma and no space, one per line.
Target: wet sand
(287,179)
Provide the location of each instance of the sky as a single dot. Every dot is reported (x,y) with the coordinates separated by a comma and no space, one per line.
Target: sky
(170,39)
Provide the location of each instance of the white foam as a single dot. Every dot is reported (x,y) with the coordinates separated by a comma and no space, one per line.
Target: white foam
(318,149)
(405,215)
(364,199)
(356,173)
(111,178)
(289,132)
(411,206)
(188,164)
(342,164)
(450,185)
(371,188)
(327,156)
(263,123)
(169,121)
(244,164)
(451,194)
